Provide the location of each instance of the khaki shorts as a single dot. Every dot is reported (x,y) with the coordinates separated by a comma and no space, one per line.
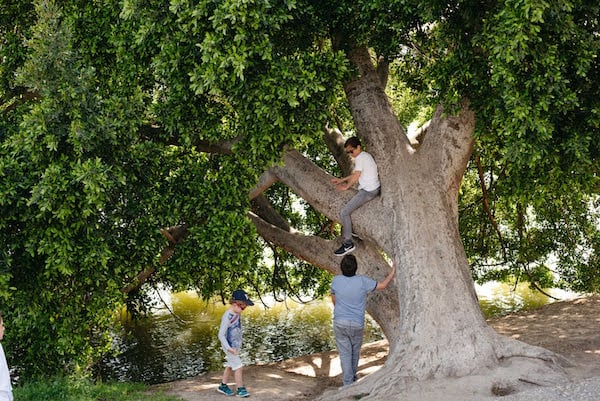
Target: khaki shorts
(233,361)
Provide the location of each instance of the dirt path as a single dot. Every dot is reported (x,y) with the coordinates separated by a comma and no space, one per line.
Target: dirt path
(571,328)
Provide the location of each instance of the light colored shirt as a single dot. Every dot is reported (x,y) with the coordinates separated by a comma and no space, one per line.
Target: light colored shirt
(369,177)
(351,297)
(5,385)
(230,331)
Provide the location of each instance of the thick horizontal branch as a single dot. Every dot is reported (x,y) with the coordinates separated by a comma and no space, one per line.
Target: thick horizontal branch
(319,251)
(263,208)
(335,143)
(308,248)
(311,183)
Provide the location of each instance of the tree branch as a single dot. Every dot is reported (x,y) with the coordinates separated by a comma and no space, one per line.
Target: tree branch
(334,139)
(374,118)
(263,208)
(449,142)
(311,183)
(21,96)
(307,248)
(264,182)
(223,147)
(156,133)
(174,235)
(383,70)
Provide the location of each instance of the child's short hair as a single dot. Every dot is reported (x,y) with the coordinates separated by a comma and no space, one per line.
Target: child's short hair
(349,265)
(354,142)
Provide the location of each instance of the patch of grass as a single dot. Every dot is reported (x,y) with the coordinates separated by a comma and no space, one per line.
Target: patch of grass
(84,390)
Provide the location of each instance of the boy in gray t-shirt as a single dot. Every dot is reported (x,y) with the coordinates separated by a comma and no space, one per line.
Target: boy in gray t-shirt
(230,336)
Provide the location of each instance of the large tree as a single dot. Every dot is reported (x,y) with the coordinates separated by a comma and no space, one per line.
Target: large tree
(122,118)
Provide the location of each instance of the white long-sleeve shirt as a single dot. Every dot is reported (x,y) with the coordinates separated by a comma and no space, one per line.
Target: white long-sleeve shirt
(230,331)
(5,384)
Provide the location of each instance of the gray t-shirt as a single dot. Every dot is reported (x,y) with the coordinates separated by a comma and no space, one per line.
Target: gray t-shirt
(351,297)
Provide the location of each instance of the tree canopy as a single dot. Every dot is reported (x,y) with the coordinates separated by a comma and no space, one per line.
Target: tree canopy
(122,118)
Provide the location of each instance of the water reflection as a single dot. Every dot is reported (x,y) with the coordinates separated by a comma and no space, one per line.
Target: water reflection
(498,299)
(170,346)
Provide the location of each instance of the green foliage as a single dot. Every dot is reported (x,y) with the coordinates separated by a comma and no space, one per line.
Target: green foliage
(87,179)
(107,107)
(15,20)
(74,390)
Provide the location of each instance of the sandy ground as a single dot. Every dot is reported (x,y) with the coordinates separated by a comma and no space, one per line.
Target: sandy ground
(571,328)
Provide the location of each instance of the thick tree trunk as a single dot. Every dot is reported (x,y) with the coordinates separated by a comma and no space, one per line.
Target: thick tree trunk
(442,332)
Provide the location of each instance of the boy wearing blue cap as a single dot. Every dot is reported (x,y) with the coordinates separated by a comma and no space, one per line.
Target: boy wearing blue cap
(230,335)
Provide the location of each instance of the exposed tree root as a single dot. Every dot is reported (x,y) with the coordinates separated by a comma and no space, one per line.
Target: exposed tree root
(519,367)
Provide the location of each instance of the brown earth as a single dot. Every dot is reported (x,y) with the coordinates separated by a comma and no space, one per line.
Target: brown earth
(570,328)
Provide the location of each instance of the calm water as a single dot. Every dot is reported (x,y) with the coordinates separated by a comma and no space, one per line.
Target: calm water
(171,346)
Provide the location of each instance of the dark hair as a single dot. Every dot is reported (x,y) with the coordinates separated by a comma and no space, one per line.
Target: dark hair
(349,265)
(354,142)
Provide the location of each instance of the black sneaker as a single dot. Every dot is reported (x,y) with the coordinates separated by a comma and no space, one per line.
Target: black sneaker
(346,247)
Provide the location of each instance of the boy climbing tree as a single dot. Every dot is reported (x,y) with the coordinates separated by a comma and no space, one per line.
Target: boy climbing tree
(365,173)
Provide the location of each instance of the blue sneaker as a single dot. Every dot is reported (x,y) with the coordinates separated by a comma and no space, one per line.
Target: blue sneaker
(241,392)
(346,247)
(224,389)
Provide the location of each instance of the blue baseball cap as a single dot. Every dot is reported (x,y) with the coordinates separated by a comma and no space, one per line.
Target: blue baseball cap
(240,295)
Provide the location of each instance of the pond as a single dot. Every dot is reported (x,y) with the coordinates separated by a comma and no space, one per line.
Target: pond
(170,346)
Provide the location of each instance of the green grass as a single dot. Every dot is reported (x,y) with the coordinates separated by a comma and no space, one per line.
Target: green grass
(83,390)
